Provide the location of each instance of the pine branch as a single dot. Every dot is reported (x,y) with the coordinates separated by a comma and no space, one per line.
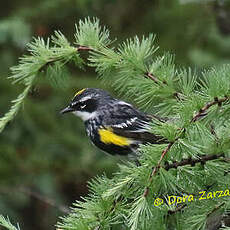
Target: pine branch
(215,209)
(168,147)
(154,78)
(42,55)
(203,110)
(156,168)
(192,162)
(147,74)
(80,48)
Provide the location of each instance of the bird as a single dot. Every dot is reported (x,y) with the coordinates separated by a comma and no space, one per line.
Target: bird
(114,126)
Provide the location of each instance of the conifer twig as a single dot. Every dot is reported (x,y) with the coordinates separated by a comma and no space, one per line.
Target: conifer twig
(204,109)
(152,77)
(164,152)
(51,61)
(156,168)
(216,208)
(192,162)
(86,48)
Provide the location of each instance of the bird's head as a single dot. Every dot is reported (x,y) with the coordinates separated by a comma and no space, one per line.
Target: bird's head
(86,102)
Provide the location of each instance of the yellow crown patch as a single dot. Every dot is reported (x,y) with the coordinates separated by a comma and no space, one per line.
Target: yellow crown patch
(79,92)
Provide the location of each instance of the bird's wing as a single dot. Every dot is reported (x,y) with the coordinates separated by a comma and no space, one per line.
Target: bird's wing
(128,122)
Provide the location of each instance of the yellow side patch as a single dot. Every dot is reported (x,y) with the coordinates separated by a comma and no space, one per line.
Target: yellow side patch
(79,92)
(108,137)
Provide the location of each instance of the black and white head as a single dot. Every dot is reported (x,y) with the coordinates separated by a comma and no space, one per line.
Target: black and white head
(86,102)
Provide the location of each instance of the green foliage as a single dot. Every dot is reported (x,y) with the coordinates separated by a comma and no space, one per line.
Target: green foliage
(89,33)
(17,103)
(30,66)
(126,201)
(6,224)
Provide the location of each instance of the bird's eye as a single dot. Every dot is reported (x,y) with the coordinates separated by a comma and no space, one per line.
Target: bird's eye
(72,104)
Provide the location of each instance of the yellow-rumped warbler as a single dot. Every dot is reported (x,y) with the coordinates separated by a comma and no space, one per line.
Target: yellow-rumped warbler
(113,125)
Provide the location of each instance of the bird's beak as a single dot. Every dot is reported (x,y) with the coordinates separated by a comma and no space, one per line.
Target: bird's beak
(67,110)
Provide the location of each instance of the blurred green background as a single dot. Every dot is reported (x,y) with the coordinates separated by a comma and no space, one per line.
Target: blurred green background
(46,158)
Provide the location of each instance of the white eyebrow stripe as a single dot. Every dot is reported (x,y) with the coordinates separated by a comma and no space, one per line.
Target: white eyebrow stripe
(85,98)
